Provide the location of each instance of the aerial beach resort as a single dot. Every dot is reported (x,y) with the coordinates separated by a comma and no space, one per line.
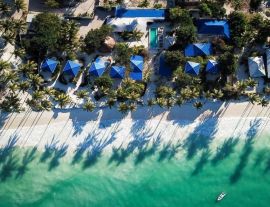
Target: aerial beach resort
(134,103)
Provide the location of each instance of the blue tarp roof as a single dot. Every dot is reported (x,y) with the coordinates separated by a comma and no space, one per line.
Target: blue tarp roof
(72,68)
(97,68)
(137,76)
(117,71)
(213,27)
(49,65)
(212,66)
(198,49)
(192,68)
(136,63)
(133,13)
(164,69)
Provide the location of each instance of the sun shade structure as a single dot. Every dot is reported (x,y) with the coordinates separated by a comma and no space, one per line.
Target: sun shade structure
(140,13)
(117,72)
(164,68)
(136,63)
(214,27)
(97,68)
(256,67)
(198,49)
(192,68)
(72,68)
(49,65)
(212,67)
(137,76)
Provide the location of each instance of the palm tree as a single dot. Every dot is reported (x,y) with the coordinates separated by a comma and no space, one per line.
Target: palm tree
(8,76)
(49,91)
(170,102)
(4,65)
(208,94)
(218,94)
(110,102)
(29,68)
(11,103)
(89,106)
(123,108)
(161,102)
(24,86)
(133,96)
(36,80)
(198,105)
(254,98)
(241,86)
(20,5)
(46,105)
(63,99)
(4,8)
(151,102)
(82,94)
(13,87)
(263,102)
(38,95)
(251,82)
(179,101)
(19,52)
(132,107)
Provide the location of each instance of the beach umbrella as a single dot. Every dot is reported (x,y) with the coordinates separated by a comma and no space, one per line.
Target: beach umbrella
(97,68)
(49,65)
(137,76)
(136,63)
(192,68)
(117,72)
(72,68)
(212,67)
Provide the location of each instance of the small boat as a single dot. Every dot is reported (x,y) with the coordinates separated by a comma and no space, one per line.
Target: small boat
(221,196)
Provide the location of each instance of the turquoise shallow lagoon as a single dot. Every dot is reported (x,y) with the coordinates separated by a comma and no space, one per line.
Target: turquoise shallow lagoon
(166,176)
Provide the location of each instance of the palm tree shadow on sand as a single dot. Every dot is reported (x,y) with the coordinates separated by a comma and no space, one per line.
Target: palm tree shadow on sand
(246,152)
(202,162)
(49,150)
(201,137)
(97,147)
(141,139)
(28,157)
(225,150)
(59,153)
(83,146)
(168,151)
(8,160)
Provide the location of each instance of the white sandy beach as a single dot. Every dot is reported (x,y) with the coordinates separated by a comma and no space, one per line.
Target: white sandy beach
(107,129)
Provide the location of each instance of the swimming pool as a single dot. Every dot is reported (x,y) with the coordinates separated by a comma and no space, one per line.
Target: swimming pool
(153,38)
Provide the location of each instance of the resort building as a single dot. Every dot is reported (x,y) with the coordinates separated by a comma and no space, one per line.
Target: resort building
(198,49)
(192,68)
(128,20)
(256,67)
(213,28)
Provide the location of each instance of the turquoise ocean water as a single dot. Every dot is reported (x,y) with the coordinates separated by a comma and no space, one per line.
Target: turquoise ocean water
(170,175)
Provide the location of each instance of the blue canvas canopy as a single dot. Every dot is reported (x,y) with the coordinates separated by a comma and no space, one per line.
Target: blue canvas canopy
(97,68)
(145,13)
(164,68)
(192,68)
(136,63)
(198,49)
(72,68)
(214,27)
(49,65)
(212,67)
(137,76)
(117,71)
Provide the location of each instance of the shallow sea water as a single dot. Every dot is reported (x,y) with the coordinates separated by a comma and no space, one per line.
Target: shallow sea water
(167,176)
